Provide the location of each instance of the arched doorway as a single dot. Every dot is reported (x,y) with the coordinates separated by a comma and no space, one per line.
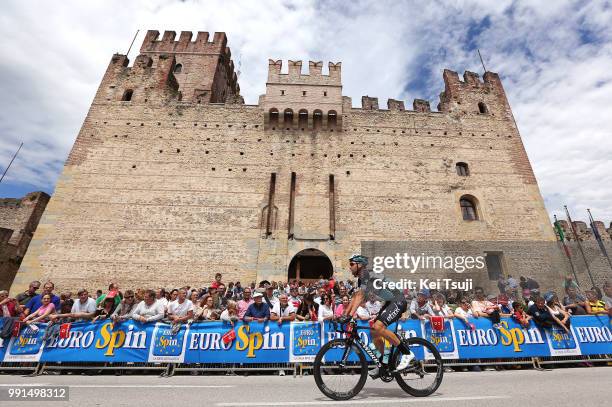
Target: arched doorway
(310,264)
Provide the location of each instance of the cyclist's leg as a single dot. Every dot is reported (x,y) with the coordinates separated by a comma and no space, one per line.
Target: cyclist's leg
(388,315)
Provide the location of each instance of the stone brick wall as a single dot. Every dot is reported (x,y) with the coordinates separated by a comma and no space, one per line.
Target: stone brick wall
(18,221)
(158,191)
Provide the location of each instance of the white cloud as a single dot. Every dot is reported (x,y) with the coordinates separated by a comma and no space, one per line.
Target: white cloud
(560,88)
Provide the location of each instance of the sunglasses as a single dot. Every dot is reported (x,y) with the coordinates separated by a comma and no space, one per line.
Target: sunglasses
(352,263)
(129,296)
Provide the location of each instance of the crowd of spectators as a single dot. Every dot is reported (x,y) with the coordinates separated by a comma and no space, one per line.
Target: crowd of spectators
(282,302)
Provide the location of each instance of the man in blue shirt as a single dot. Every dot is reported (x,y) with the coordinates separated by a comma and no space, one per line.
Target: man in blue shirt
(258,311)
(36,302)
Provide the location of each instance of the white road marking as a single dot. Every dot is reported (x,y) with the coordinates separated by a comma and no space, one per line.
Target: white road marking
(139,386)
(351,402)
(28,384)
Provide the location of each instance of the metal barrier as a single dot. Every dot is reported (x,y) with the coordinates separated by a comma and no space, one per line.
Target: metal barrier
(296,369)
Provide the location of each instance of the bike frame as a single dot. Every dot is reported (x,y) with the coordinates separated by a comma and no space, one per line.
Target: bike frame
(353,337)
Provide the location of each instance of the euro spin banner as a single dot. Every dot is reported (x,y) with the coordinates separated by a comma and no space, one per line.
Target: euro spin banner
(270,342)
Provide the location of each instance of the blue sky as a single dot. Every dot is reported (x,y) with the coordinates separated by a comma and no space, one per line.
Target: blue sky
(554,59)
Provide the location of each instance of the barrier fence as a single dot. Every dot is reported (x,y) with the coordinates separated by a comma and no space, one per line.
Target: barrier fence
(290,346)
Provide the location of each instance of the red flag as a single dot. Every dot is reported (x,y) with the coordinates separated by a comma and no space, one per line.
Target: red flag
(437,324)
(64,330)
(229,336)
(16,329)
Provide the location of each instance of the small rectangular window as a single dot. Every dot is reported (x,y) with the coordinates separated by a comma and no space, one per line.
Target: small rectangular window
(324,93)
(303,93)
(282,93)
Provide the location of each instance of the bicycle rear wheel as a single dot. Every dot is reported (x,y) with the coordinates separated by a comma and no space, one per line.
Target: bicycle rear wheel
(340,370)
(422,377)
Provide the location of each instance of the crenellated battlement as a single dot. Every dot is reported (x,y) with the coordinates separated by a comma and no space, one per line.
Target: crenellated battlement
(313,77)
(185,45)
(585,232)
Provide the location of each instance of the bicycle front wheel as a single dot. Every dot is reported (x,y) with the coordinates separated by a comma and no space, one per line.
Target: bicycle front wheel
(422,377)
(340,369)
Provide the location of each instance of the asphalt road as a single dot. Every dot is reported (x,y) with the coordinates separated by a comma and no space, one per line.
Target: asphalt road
(558,387)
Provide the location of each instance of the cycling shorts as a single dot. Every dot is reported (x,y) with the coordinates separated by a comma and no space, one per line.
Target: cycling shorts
(392,311)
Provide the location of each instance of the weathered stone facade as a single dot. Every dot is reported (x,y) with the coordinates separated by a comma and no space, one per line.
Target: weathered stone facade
(18,221)
(184,180)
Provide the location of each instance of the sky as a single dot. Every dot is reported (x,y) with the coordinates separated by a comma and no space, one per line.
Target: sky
(554,58)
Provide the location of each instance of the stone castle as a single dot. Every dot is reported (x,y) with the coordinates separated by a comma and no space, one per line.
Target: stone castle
(173,177)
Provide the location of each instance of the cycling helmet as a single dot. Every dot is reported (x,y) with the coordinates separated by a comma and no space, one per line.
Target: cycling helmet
(358,258)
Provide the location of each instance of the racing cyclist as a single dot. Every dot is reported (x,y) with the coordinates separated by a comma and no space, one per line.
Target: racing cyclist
(395,305)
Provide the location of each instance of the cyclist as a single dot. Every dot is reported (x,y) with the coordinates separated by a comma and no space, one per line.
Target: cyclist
(395,305)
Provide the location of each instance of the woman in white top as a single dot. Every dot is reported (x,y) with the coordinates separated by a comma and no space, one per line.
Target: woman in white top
(230,314)
(326,311)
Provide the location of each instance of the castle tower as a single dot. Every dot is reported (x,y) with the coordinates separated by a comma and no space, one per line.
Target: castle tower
(204,70)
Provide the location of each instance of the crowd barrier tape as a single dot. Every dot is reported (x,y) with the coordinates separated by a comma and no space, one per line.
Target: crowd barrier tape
(270,342)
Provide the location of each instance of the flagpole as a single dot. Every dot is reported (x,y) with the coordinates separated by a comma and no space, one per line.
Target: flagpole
(12,159)
(599,239)
(579,244)
(566,249)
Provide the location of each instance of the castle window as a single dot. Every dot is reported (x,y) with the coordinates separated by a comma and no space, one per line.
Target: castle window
(288,117)
(468,207)
(127,95)
(462,169)
(303,93)
(303,118)
(178,68)
(282,93)
(482,108)
(273,117)
(317,119)
(332,119)
(324,93)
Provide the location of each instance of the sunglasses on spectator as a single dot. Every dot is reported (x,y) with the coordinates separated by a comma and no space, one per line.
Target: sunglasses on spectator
(352,263)
(129,296)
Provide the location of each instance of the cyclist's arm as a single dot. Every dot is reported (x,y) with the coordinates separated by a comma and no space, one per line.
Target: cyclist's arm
(355,301)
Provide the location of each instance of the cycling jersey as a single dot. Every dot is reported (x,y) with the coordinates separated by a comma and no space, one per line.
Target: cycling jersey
(370,282)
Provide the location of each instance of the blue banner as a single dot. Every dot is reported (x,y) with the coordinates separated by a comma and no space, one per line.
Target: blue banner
(269,342)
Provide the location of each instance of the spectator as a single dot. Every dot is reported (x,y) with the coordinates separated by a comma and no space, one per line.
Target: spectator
(326,310)
(238,290)
(540,314)
(9,307)
(607,298)
(25,297)
(244,303)
(569,282)
(373,305)
(230,314)
(173,295)
(482,307)
(595,306)
(106,309)
(464,311)
(42,313)
(269,297)
(221,295)
(160,297)
(501,284)
(439,307)
(36,302)
(283,310)
(556,310)
(84,308)
(420,308)
(98,294)
(258,311)
(519,314)
(209,311)
(512,283)
(294,298)
(181,309)
(574,303)
(308,309)
(217,281)
(149,310)
(112,288)
(214,294)
(126,308)
(343,305)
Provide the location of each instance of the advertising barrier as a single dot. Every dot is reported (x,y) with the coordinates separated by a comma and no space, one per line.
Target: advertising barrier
(269,342)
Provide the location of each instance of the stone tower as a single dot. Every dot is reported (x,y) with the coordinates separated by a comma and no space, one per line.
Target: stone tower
(173,178)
